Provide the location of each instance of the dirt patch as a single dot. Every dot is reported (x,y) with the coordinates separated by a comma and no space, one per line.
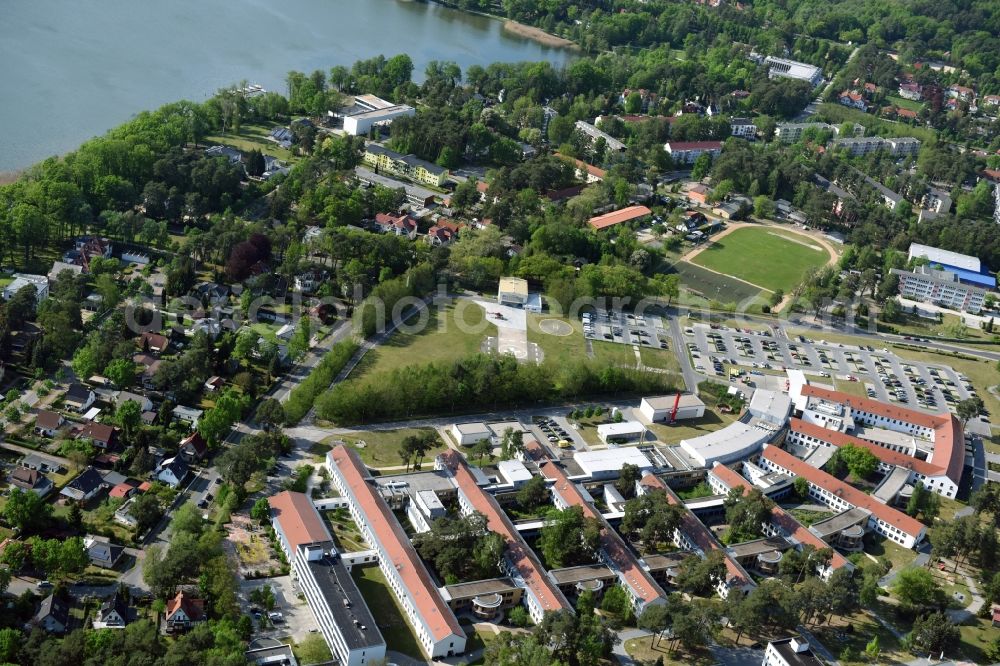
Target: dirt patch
(250,545)
(555,327)
(538,35)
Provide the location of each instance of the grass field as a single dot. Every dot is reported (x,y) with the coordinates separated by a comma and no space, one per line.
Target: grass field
(643,652)
(250,137)
(442,338)
(712,286)
(388,615)
(902,103)
(381,447)
(712,420)
(764,257)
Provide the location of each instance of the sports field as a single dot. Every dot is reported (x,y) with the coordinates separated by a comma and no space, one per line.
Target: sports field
(764,257)
(712,286)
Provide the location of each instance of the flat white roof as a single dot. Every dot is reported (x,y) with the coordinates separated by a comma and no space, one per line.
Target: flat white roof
(514,285)
(513,471)
(430,499)
(796,380)
(607,460)
(667,401)
(473,429)
(936,255)
(770,406)
(623,428)
(734,442)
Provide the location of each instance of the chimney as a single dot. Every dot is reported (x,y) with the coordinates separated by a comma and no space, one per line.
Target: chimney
(799,644)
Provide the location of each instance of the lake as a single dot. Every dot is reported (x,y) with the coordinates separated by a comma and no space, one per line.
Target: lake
(72,69)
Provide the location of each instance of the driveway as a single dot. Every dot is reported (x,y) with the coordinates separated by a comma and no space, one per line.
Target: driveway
(298,620)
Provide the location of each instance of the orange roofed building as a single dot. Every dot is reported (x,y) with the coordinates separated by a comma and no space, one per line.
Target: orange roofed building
(619,216)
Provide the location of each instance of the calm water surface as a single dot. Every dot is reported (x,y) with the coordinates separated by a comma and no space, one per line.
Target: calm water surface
(74,68)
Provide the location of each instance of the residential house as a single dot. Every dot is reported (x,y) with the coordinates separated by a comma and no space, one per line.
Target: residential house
(113,613)
(188,415)
(193,447)
(31,479)
(645,97)
(79,398)
(22,280)
(48,423)
(698,194)
(100,435)
(59,266)
(210,326)
(420,171)
(228,152)
(214,383)
(310,280)
(961,93)
(86,248)
(85,486)
(852,99)
(911,90)
(102,552)
(743,128)
(183,612)
(990,100)
(121,397)
(153,343)
(52,615)
(211,292)
(35,461)
(402,224)
(172,471)
(584,171)
(150,366)
(121,491)
(282,136)
(93,302)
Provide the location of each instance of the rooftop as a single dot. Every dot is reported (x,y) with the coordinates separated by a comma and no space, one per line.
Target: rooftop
(439,620)
(514,285)
(667,401)
(336,584)
(619,216)
(298,518)
(847,492)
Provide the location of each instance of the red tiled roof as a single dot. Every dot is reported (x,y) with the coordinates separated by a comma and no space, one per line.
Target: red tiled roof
(992,174)
(949,440)
(643,586)
(697,532)
(887,456)
(583,166)
(193,608)
(121,490)
(482,186)
(436,614)
(99,432)
(619,216)
(786,521)
(847,492)
(152,341)
(145,486)
(298,518)
(196,442)
(518,552)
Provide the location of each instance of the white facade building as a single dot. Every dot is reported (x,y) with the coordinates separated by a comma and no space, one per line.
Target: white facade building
(659,408)
(607,463)
(792,69)
(940,287)
(21,280)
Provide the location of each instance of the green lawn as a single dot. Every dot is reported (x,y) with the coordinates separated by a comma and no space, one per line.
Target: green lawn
(250,137)
(763,256)
(902,103)
(712,287)
(345,532)
(452,331)
(380,448)
(712,420)
(388,615)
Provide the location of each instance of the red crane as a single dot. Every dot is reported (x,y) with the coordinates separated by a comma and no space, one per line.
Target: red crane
(673,412)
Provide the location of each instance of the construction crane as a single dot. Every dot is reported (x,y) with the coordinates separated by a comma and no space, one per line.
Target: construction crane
(673,412)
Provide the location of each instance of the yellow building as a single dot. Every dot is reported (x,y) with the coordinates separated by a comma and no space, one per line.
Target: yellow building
(385,161)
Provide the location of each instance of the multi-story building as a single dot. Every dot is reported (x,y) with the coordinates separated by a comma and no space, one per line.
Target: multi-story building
(840,496)
(343,617)
(943,287)
(790,652)
(636,581)
(792,132)
(594,134)
(792,69)
(743,128)
(434,623)
(932,443)
(686,152)
(420,171)
(369,111)
(519,562)
(898,146)
(692,535)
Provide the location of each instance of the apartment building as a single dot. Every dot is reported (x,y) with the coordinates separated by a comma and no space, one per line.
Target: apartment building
(388,161)
(898,147)
(434,623)
(792,69)
(343,617)
(686,152)
(792,132)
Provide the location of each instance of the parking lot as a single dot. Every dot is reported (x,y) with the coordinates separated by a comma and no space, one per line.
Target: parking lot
(293,616)
(626,328)
(885,376)
(558,433)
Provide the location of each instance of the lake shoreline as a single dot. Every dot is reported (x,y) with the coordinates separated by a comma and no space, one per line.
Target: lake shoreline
(520,29)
